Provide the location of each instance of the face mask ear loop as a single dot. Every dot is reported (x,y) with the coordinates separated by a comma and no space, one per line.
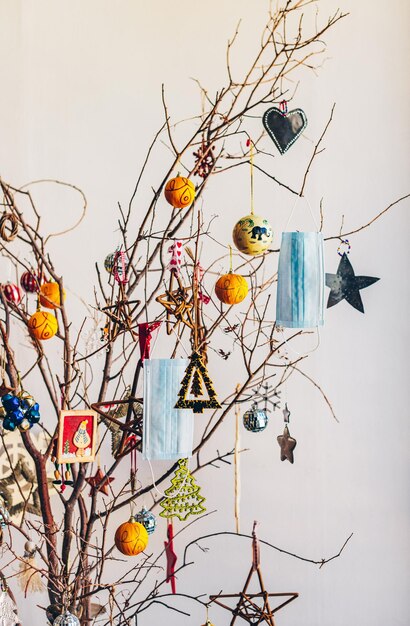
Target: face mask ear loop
(180,343)
(301,353)
(164,495)
(155,341)
(310,211)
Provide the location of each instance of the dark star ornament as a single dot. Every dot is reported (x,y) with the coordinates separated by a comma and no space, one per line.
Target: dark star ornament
(345,285)
(95,480)
(287,445)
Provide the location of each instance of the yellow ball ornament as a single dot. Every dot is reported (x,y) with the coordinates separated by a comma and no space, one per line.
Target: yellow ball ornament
(252,235)
(131,537)
(180,192)
(50,295)
(231,288)
(43,325)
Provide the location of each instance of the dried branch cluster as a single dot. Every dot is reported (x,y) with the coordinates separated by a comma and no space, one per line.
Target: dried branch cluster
(77,567)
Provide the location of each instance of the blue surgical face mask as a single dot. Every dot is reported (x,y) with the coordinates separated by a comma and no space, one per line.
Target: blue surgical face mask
(301,280)
(167,432)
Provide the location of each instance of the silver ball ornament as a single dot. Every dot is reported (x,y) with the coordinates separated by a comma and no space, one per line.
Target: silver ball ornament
(66,619)
(255,420)
(147,519)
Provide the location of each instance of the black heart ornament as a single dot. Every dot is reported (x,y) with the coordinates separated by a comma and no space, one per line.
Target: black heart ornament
(284,127)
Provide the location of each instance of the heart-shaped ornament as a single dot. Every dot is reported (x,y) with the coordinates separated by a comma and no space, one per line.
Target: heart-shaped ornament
(284,127)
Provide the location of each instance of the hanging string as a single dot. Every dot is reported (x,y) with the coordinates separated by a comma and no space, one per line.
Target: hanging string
(256,555)
(230,259)
(236,465)
(132,441)
(250,144)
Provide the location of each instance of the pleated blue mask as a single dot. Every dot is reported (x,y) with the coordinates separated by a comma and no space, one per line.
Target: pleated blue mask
(301,280)
(167,432)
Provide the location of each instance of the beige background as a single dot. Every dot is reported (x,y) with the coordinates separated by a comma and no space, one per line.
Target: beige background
(80,101)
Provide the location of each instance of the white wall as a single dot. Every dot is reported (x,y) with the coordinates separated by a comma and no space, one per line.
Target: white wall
(80,101)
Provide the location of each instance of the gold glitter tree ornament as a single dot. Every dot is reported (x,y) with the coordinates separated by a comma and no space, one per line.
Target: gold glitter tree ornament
(183,497)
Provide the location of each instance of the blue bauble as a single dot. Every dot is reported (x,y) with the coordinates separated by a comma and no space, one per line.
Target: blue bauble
(9,424)
(147,519)
(16,416)
(10,402)
(33,414)
(255,420)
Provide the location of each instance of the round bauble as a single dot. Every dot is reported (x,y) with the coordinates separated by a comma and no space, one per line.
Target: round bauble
(252,235)
(109,262)
(180,192)
(131,538)
(66,619)
(43,325)
(12,293)
(122,263)
(50,295)
(29,282)
(255,420)
(231,288)
(147,519)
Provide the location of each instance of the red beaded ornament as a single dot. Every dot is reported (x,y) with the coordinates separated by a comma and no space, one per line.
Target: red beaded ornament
(12,293)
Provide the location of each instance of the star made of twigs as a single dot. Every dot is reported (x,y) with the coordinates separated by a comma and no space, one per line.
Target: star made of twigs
(178,304)
(120,317)
(254,608)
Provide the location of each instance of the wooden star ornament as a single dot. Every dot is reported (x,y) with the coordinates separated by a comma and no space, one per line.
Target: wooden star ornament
(254,608)
(178,303)
(94,482)
(287,445)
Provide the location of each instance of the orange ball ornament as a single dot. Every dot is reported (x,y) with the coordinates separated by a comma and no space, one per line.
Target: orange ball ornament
(43,325)
(50,295)
(131,537)
(180,192)
(231,288)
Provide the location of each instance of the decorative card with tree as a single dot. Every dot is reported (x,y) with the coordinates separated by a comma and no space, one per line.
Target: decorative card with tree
(77,436)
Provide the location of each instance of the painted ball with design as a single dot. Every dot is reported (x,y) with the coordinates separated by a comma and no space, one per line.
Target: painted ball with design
(43,325)
(231,288)
(180,192)
(252,235)
(131,537)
